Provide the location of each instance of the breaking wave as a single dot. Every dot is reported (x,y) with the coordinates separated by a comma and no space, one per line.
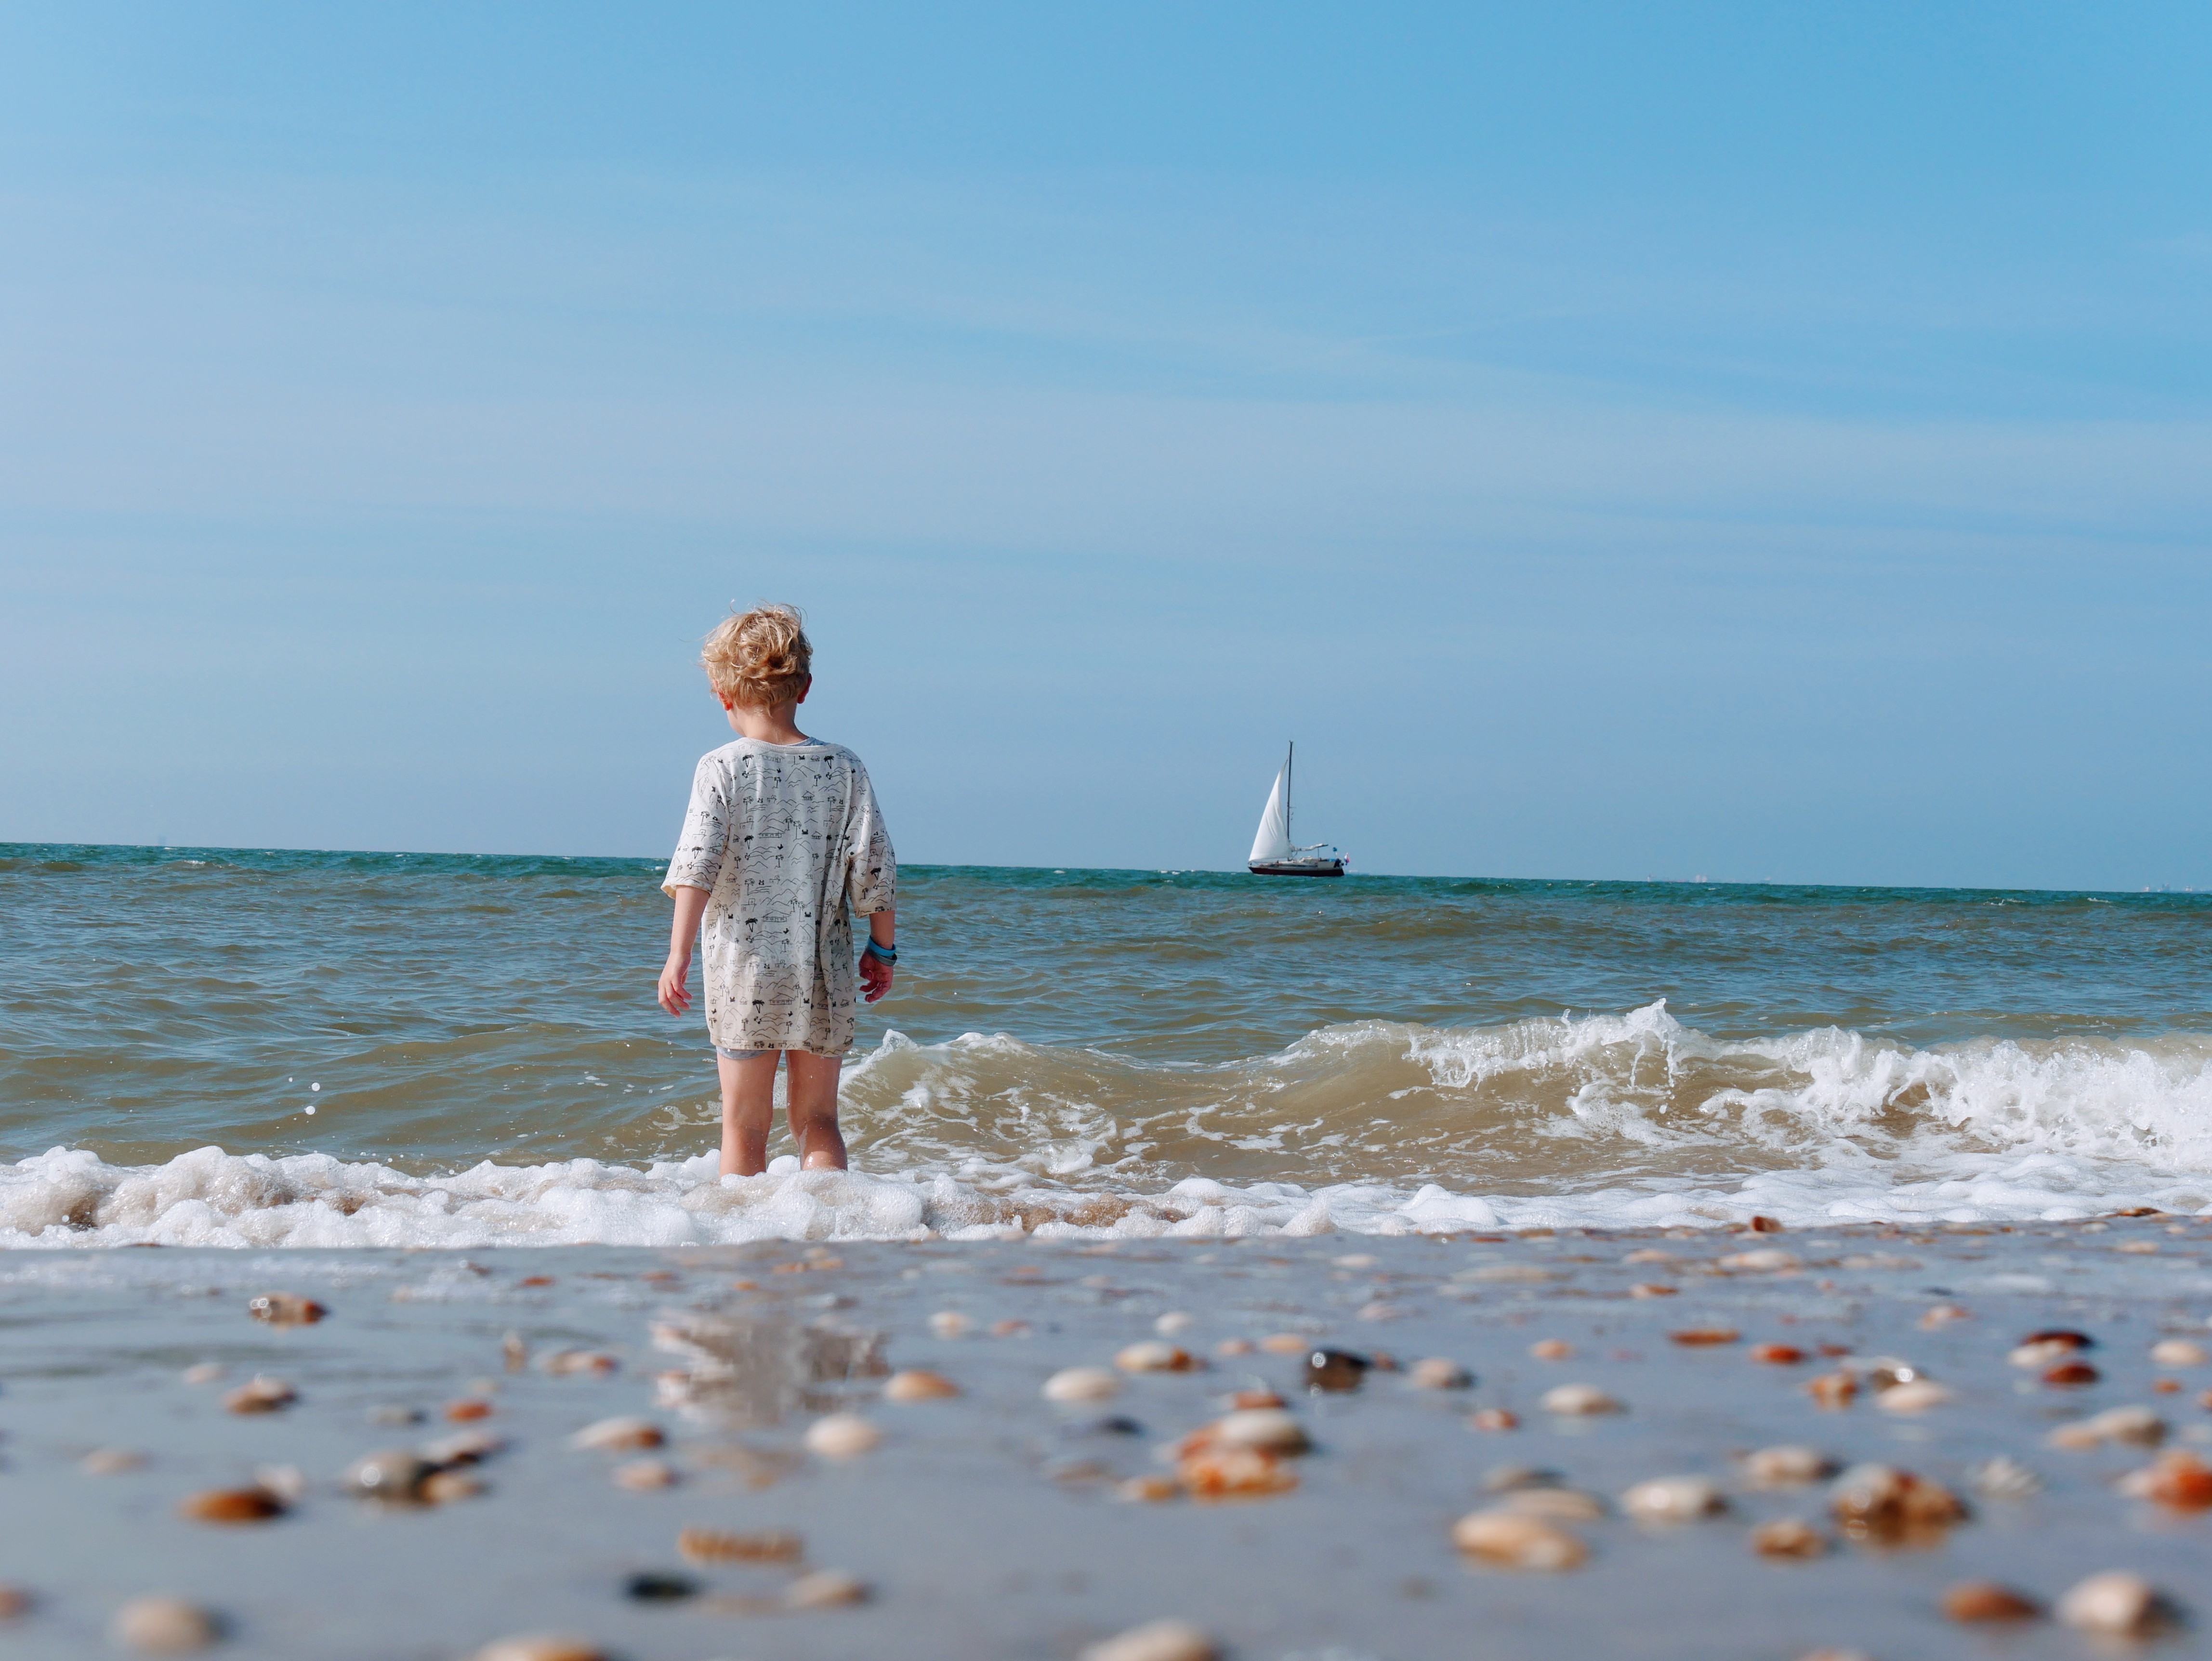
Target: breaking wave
(1629,1120)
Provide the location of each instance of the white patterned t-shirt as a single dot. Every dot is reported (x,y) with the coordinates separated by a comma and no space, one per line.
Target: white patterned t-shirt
(787,840)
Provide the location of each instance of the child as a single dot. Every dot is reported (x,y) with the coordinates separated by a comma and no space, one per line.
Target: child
(783,834)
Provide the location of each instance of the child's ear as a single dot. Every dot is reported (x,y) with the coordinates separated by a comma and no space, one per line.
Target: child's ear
(806,687)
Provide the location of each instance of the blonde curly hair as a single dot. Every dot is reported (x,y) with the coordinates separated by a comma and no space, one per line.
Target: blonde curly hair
(760,657)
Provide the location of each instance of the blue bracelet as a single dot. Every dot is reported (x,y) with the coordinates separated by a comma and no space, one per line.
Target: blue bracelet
(888,953)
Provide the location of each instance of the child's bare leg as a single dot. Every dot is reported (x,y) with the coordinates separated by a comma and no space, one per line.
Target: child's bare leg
(811,1103)
(748,1111)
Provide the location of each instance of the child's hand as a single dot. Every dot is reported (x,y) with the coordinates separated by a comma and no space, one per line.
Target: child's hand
(675,996)
(875,976)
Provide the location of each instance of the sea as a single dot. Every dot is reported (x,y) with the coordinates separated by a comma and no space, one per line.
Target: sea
(257,1048)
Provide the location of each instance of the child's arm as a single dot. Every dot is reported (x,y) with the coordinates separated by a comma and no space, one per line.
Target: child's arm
(690,906)
(875,973)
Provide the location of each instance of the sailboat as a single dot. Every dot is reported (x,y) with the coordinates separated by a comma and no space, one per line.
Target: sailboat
(1272,853)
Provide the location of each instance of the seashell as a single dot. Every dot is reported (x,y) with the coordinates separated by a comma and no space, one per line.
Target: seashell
(1833,1390)
(2178,1353)
(1153,1355)
(466,1447)
(1694,1337)
(1437,1374)
(1764,1226)
(288,1482)
(1552,1349)
(1493,1419)
(1231,1347)
(1148,1490)
(2177,1480)
(202,1372)
(918,1385)
(697,1545)
(570,1363)
(2052,1343)
(443,1487)
(2133,1426)
(392,1474)
(1554,1505)
(261,1395)
(1882,1503)
(618,1435)
(285,1308)
(1780,1355)
(1270,1429)
(1512,1541)
(950,1324)
(1787,1466)
(2070,1374)
(826,1589)
(467,1409)
(1985,1600)
(230,1505)
(15,1603)
(1156,1640)
(1652,1289)
(643,1475)
(1673,1499)
(1579,1400)
(1175,1320)
(1942,1315)
(1767,1262)
(541,1646)
(1335,1370)
(1788,1536)
(1649,1255)
(1284,1344)
(1081,1384)
(111,1462)
(2115,1602)
(1217,1472)
(1915,1395)
(842,1436)
(2003,1478)
(164,1626)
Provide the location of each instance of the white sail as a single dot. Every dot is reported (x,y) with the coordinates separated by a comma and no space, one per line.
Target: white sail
(1273,841)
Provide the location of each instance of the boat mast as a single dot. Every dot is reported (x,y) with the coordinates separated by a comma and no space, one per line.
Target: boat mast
(1290,756)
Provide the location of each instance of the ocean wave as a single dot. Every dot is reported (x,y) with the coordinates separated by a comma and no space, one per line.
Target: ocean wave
(1629,1120)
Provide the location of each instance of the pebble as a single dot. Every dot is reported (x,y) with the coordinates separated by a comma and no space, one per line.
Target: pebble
(1768,1262)
(2178,1480)
(1882,1503)
(1284,1343)
(643,1475)
(1156,1640)
(2070,1374)
(1513,1540)
(1009,1328)
(1652,1289)
(230,1505)
(950,1324)
(2178,1353)
(619,1435)
(2003,1478)
(1554,1505)
(203,1373)
(285,1308)
(1985,1600)
(1504,1479)
(826,1589)
(2114,1603)
(918,1385)
(111,1462)
(1154,1355)
(1693,1337)
(1214,1471)
(260,1394)
(658,1586)
(698,1545)
(391,1414)
(467,1409)
(842,1436)
(2040,1349)
(1254,1398)
(1942,1315)
(1833,1390)
(1081,1384)
(164,1626)
(1493,1419)
(1550,1349)
(443,1487)
(1673,1499)
(1914,1396)
(2132,1427)
(15,1603)
(1787,1466)
(1789,1536)
(394,1475)
(1579,1399)
(1233,1347)
(1175,1320)
(1335,1370)
(1147,1490)
(1267,1428)
(1780,1355)
(568,1363)
(466,1447)
(541,1646)
(1437,1372)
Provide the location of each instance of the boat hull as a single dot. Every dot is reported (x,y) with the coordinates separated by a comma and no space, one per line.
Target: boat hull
(1296,868)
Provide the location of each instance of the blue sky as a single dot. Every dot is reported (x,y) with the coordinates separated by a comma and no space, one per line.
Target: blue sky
(1761,442)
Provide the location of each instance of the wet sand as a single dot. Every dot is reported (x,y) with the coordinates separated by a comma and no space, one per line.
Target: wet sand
(995,1522)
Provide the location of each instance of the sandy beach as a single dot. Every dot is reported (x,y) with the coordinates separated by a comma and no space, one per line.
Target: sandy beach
(742,1515)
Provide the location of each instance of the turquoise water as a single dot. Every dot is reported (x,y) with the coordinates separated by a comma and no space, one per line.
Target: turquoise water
(1101,1036)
